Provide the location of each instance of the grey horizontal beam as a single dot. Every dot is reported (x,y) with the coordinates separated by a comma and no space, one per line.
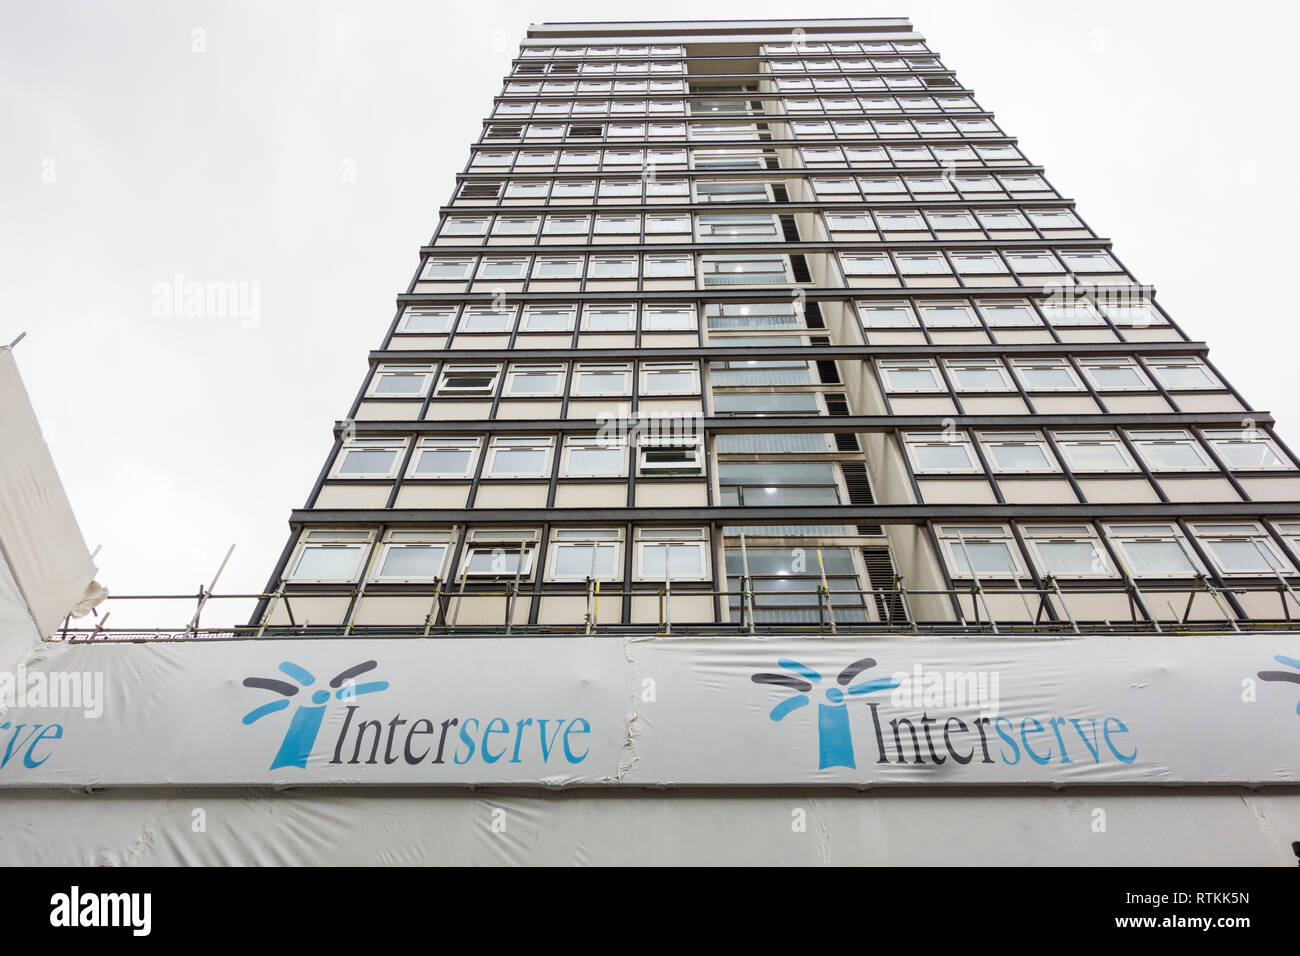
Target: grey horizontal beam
(770,207)
(771,294)
(774,424)
(720,352)
(725,248)
(821,514)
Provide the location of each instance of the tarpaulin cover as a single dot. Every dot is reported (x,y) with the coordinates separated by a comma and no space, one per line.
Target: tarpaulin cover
(39,536)
(689,711)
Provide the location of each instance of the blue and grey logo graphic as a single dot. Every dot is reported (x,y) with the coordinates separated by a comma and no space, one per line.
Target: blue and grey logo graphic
(1286,676)
(835,736)
(306,721)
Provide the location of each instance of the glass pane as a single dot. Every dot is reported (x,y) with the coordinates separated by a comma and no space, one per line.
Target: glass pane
(1242,454)
(942,457)
(328,561)
(1095,457)
(1173,455)
(989,557)
(518,461)
(1243,556)
(413,561)
(576,560)
(400,384)
(1157,557)
(595,461)
(1071,557)
(1019,457)
(444,461)
(368,462)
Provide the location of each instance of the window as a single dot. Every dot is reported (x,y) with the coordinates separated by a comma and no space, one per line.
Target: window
(668,223)
(955,219)
(602,380)
(534,381)
(978,263)
(464,226)
(618,225)
(1067,551)
(504,552)
(1027,262)
(899,221)
(751,227)
(516,226)
(609,318)
(1170,451)
(670,455)
(990,551)
(426,318)
(1070,313)
(501,268)
(329,556)
(621,188)
(910,376)
(400,381)
(746,404)
(949,315)
(1139,314)
(557,267)
(1018,452)
(593,458)
(1054,219)
(941,453)
(1243,548)
(443,269)
(669,267)
(573,189)
(577,554)
(481,190)
(612,267)
(368,458)
(732,192)
(412,556)
(778,483)
(922,263)
(1114,375)
(886,315)
(1089,260)
(1001,219)
(519,189)
(565,226)
(545,318)
(444,458)
(477,381)
(676,554)
(669,378)
(1245,449)
(1094,451)
(849,222)
(1046,375)
(979,375)
(752,316)
(1183,373)
(669,318)
(1153,550)
(752,269)
(1009,313)
(866,264)
(486,318)
(518,458)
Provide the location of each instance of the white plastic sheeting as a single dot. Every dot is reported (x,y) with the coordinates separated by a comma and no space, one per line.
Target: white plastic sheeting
(607,711)
(812,827)
(39,537)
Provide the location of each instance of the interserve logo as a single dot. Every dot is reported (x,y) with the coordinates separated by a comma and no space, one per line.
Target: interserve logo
(834,734)
(305,724)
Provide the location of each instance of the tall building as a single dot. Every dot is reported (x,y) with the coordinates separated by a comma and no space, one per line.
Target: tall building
(770,326)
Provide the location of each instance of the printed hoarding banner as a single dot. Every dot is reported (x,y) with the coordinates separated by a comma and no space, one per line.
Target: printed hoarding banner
(658,711)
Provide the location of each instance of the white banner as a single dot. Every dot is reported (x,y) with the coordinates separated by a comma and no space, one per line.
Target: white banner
(658,711)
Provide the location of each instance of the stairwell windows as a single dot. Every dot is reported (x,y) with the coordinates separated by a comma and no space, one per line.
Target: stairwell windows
(400,381)
(325,557)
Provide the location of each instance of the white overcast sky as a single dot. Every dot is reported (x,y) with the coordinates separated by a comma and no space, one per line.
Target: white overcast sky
(129,157)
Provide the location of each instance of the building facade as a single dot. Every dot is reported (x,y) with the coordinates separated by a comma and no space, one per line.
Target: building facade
(752,327)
